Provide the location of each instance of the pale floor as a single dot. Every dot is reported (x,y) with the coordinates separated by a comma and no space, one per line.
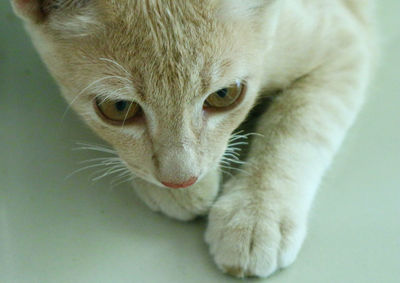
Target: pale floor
(54,229)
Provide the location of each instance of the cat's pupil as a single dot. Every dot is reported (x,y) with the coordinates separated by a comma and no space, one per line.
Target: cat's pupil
(120,105)
(222,92)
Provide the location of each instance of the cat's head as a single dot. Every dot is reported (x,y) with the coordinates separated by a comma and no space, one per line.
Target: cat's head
(164,82)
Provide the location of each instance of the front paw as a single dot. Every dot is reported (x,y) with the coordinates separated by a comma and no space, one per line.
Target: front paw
(252,235)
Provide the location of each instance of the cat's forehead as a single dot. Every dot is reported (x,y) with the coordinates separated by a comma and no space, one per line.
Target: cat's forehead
(174,49)
(168,46)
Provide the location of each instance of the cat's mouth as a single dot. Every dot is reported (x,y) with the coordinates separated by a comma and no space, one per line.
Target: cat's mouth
(191,181)
(145,175)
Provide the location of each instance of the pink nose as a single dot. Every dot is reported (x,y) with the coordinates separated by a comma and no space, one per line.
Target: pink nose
(186,184)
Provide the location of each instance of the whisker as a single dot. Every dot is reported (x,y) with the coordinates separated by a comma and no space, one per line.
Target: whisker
(225,172)
(126,115)
(85,89)
(237,133)
(111,165)
(123,181)
(93,147)
(239,143)
(83,169)
(233,150)
(112,94)
(234,138)
(88,87)
(233,168)
(123,174)
(225,162)
(110,171)
(106,168)
(236,157)
(104,160)
(233,161)
(115,63)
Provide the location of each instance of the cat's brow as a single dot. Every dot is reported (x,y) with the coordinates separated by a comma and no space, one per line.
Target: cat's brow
(212,73)
(132,78)
(116,64)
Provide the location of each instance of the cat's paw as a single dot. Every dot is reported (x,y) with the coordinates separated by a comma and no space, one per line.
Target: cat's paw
(250,237)
(182,204)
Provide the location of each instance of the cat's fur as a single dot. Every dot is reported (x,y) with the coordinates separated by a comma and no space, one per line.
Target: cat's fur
(311,57)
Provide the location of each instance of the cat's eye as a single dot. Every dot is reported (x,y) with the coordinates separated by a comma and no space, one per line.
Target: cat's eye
(225,97)
(117,111)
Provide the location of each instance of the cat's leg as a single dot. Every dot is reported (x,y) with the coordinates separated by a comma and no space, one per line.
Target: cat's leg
(259,223)
(182,204)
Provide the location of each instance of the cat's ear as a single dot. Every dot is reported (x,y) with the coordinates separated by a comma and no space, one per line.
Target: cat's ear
(28,9)
(38,10)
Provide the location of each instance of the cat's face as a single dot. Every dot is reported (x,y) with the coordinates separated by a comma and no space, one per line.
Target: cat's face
(164,82)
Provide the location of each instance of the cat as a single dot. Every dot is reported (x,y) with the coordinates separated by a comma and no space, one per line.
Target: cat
(167,83)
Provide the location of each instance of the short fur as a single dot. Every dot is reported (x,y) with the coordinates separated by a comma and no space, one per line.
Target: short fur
(311,58)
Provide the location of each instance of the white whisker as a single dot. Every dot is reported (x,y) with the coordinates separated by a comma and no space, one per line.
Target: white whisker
(104,160)
(88,87)
(233,161)
(110,171)
(233,150)
(108,165)
(126,115)
(82,169)
(239,143)
(233,168)
(112,94)
(225,172)
(123,174)
(106,169)
(115,63)
(93,147)
(131,178)
(236,137)
(236,157)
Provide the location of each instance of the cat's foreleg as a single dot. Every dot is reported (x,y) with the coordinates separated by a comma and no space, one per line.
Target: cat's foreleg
(182,204)
(259,223)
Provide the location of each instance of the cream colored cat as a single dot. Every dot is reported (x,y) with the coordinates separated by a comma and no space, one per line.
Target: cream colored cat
(166,83)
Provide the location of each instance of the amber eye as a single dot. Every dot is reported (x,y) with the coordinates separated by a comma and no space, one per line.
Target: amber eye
(225,97)
(118,111)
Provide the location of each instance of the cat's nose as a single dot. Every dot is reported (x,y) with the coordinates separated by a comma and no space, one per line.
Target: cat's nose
(185,184)
(176,166)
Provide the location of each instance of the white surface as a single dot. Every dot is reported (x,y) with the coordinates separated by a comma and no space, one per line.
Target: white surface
(73,230)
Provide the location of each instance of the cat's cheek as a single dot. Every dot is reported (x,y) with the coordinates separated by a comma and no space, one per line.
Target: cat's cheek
(212,121)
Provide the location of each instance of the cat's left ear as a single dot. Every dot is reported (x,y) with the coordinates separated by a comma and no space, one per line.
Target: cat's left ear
(38,10)
(28,9)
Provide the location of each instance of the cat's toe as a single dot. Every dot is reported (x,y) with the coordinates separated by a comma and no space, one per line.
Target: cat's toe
(248,242)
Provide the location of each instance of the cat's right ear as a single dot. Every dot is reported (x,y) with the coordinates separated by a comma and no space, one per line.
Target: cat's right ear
(37,11)
(30,10)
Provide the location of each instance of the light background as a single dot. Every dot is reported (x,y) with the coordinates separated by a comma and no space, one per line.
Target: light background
(54,229)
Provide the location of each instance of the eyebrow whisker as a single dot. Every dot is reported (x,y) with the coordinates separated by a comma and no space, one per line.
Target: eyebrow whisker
(90,86)
(116,64)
